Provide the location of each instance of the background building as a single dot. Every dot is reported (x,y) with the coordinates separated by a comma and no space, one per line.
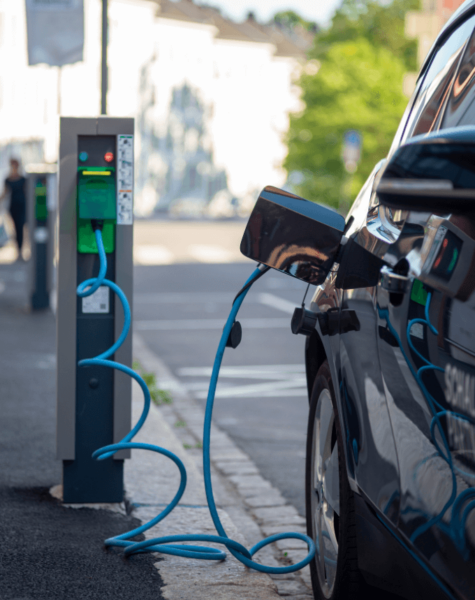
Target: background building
(211,98)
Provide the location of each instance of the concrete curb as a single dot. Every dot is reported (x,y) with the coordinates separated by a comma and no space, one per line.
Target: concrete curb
(251,508)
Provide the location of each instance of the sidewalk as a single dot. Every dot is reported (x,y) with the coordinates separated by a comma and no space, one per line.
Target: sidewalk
(48,552)
(51,551)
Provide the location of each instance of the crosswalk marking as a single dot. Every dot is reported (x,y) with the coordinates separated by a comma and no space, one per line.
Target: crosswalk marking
(183,298)
(246,372)
(187,324)
(211,254)
(277,381)
(213,297)
(277,303)
(155,254)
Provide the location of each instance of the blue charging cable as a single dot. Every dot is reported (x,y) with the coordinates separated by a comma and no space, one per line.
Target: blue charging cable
(170,544)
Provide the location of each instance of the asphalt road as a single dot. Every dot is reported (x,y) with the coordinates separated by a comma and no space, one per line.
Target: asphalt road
(180,310)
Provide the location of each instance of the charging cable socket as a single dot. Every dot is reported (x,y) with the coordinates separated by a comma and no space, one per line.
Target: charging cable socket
(303,321)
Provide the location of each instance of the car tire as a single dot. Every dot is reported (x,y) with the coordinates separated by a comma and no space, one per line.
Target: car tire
(329,500)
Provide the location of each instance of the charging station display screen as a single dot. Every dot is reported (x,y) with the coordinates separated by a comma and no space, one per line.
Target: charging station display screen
(447,257)
(96,191)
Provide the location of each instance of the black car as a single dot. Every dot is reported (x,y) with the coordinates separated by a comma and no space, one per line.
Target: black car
(390,350)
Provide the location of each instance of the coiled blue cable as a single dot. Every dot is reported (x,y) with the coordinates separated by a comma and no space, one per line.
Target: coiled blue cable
(170,544)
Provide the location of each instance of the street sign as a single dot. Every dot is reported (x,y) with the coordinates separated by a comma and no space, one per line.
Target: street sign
(351,151)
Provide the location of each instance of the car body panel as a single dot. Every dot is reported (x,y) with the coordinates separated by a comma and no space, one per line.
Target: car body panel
(407,488)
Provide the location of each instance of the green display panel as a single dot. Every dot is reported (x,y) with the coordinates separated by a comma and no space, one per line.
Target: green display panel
(97,193)
(96,199)
(41,209)
(87,239)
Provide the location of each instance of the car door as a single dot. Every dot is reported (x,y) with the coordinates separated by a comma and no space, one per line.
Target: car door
(371,443)
(426,344)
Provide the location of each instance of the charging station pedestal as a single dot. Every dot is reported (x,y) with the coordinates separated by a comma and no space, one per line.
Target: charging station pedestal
(93,402)
(41,193)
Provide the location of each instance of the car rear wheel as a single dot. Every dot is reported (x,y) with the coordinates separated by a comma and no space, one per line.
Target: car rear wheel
(329,500)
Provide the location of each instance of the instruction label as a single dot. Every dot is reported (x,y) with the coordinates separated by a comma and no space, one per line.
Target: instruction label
(125,179)
(97,302)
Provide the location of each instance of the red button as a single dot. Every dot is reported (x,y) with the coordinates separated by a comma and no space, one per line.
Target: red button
(108,157)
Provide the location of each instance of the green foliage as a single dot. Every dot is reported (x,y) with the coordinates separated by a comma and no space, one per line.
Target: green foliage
(290,19)
(197,446)
(157,395)
(363,58)
(382,24)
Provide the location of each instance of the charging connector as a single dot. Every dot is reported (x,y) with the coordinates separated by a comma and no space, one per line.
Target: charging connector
(97,224)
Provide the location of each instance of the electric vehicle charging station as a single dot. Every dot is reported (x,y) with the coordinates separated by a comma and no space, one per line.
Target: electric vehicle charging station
(41,194)
(93,402)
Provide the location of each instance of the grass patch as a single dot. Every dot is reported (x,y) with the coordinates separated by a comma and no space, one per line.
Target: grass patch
(180,424)
(197,446)
(157,395)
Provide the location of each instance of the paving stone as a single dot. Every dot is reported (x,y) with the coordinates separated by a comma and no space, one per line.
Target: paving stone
(296,556)
(278,576)
(305,576)
(271,498)
(279,514)
(249,481)
(291,544)
(247,491)
(291,588)
(227,455)
(273,529)
(242,467)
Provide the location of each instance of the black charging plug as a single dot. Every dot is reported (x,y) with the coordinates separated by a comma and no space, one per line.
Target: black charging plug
(97,224)
(235,335)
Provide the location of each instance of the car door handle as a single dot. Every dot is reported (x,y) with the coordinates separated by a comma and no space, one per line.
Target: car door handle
(395,283)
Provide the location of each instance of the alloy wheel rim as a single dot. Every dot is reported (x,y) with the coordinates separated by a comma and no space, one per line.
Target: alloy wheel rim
(325,491)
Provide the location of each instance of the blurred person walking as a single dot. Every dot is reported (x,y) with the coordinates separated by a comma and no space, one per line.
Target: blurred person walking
(15,187)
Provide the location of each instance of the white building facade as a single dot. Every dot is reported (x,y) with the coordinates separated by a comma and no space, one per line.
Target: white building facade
(211,98)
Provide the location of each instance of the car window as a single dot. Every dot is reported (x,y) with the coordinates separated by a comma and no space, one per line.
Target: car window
(405,117)
(423,108)
(460,108)
(437,82)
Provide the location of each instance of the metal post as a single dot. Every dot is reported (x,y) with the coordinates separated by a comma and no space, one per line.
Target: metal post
(104,82)
(60,72)
(41,209)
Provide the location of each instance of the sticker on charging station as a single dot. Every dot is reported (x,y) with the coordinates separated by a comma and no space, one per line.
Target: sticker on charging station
(97,302)
(125,179)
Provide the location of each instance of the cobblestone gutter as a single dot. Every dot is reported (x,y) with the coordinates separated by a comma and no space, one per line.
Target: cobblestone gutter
(250,507)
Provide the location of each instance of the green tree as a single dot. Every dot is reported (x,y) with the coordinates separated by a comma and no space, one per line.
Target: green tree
(358,86)
(362,59)
(381,24)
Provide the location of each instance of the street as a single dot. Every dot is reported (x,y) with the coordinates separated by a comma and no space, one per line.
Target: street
(180,306)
